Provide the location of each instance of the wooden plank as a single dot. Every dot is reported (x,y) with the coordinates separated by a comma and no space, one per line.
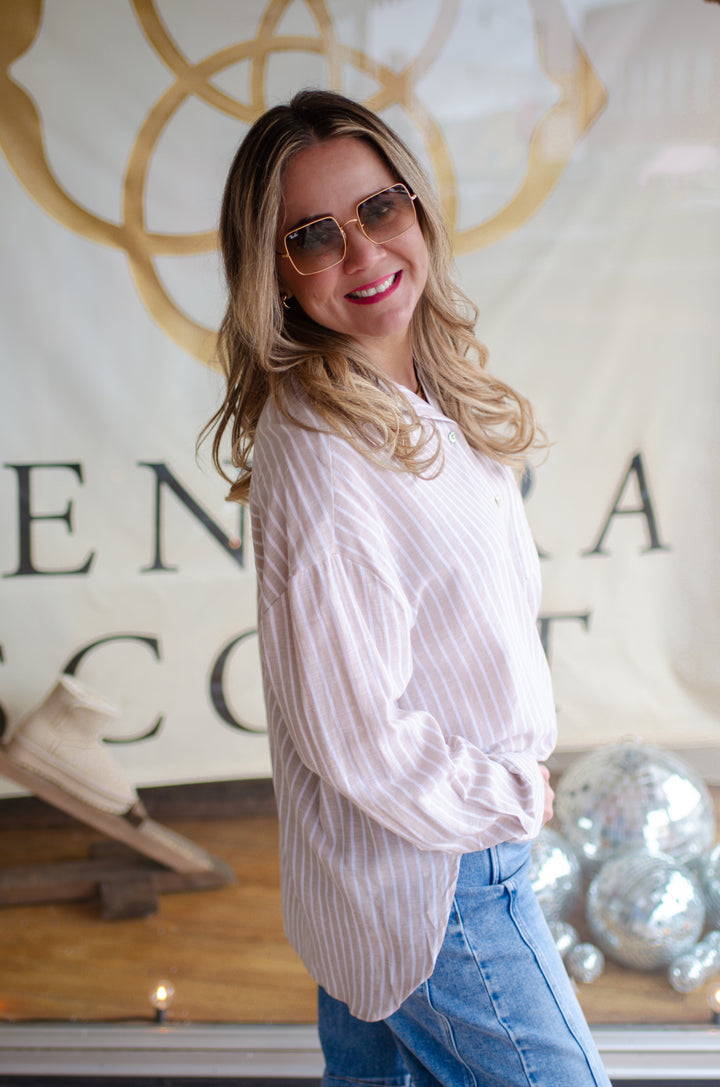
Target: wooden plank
(147,837)
(60,881)
(104,876)
(136,895)
(165,803)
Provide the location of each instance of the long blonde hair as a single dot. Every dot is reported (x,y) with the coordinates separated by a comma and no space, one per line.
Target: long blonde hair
(265,349)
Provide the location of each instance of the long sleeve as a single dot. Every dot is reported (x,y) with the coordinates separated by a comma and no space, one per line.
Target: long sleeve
(338,650)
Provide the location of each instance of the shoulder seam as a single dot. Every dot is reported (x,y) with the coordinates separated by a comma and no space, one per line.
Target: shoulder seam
(327,556)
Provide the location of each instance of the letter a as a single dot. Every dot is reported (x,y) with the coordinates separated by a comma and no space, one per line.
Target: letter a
(645,509)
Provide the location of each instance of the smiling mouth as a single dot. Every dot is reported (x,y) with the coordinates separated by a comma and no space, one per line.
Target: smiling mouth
(376,292)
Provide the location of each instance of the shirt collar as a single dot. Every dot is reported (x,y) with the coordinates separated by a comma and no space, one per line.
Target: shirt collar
(426,408)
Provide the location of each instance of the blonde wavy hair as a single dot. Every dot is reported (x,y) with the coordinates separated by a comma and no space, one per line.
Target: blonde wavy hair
(265,349)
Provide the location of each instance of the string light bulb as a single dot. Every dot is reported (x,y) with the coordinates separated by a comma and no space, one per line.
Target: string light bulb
(160,998)
(714,1003)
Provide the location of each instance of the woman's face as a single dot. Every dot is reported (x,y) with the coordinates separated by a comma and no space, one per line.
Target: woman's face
(331,178)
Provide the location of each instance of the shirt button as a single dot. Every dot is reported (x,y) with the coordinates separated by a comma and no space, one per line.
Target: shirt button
(452,436)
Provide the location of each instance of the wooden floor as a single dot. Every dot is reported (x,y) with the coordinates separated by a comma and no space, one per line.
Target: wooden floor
(223,950)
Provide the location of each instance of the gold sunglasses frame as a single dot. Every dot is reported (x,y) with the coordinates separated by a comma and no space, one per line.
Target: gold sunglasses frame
(341,228)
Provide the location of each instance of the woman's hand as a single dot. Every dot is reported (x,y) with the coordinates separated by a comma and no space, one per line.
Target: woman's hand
(549,795)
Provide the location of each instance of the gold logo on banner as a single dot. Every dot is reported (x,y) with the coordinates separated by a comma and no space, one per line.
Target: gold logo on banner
(581,98)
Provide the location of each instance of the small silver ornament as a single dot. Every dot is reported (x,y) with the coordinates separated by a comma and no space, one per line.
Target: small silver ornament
(685,974)
(689,971)
(709,868)
(712,939)
(629,796)
(644,911)
(555,874)
(564,935)
(585,963)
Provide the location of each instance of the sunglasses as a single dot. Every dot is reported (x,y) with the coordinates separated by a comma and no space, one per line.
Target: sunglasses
(321,244)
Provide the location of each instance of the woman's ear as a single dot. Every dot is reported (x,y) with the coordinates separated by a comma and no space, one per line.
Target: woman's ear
(285,292)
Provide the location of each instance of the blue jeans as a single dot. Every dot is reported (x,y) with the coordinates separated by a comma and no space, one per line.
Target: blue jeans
(357,1052)
(497,1011)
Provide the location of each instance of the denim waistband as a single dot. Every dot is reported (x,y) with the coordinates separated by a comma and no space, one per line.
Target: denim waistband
(494,865)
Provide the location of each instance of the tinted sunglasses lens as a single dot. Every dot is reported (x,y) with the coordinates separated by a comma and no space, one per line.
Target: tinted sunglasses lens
(387,214)
(315,246)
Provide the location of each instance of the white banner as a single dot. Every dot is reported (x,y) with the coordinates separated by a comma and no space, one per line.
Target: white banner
(576,148)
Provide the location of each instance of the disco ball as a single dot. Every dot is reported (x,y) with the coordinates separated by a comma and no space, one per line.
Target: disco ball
(709,871)
(554,874)
(564,935)
(686,974)
(629,796)
(689,971)
(644,910)
(585,963)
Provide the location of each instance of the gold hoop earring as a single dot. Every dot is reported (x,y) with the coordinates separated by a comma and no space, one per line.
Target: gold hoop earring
(284,300)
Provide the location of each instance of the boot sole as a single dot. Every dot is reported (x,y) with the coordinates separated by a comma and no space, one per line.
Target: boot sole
(37,761)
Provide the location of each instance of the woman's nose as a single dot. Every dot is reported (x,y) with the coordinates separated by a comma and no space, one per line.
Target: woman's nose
(359,250)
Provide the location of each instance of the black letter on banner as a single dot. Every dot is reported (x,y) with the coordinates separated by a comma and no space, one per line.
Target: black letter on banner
(26,518)
(164,477)
(645,508)
(546,621)
(71,668)
(217,686)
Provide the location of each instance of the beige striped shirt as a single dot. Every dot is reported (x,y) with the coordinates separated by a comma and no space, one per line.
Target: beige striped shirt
(408,697)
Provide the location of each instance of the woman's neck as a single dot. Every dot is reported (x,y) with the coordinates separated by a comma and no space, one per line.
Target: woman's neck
(398,365)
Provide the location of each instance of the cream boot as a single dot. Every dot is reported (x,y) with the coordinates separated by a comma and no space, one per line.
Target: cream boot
(61,740)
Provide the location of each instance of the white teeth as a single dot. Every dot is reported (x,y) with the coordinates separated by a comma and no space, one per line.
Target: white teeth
(380,289)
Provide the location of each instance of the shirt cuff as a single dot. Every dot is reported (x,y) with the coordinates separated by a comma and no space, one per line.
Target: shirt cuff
(531,794)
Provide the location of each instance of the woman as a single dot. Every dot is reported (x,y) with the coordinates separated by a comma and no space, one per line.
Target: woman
(409,702)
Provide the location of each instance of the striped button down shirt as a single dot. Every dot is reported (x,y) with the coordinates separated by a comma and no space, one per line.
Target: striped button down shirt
(408,697)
